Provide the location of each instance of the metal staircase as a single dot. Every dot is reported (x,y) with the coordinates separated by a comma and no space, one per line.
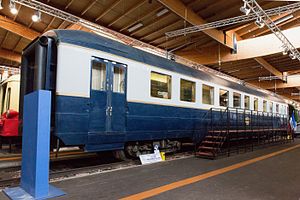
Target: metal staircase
(235,129)
(214,140)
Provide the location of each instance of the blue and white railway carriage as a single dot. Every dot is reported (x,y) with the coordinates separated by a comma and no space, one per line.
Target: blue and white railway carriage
(109,96)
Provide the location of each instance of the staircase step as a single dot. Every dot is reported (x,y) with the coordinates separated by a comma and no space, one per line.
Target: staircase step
(219,134)
(217,131)
(205,154)
(211,142)
(207,148)
(214,137)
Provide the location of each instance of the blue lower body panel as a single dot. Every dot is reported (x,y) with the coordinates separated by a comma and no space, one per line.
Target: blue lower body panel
(143,122)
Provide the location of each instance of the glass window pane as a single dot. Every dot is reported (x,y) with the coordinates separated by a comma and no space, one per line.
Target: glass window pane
(236,100)
(277,108)
(224,94)
(271,107)
(8,99)
(3,93)
(264,106)
(98,75)
(119,79)
(247,102)
(256,104)
(187,90)
(207,94)
(160,85)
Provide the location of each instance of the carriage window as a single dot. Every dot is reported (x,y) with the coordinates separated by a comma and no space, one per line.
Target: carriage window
(207,94)
(187,90)
(119,80)
(285,110)
(277,108)
(282,109)
(255,104)
(8,99)
(3,93)
(264,106)
(224,94)
(98,75)
(160,85)
(271,107)
(247,102)
(236,100)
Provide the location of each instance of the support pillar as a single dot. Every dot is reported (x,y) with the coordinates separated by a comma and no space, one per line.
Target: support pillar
(35,152)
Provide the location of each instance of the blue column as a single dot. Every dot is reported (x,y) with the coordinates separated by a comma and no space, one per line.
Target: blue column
(35,149)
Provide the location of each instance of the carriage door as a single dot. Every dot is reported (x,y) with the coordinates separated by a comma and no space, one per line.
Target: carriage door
(116,98)
(98,96)
(107,97)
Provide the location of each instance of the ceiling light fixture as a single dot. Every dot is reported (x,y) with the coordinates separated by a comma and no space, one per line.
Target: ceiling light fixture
(285,50)
(135,27)
(162,12)
(244,9)
(12,7)
(36,17)
(233,71)
(292,56)
(262,16)
(259,22)
(283,19)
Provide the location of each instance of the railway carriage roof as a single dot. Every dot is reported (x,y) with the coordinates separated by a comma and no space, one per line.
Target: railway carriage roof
(94,41)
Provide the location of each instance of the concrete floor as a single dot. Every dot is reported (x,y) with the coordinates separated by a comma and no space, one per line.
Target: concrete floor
(277,177)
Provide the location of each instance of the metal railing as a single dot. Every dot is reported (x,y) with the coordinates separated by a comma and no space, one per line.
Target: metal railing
(243,129)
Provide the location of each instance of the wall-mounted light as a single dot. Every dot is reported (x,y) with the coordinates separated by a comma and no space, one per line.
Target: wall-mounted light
(36,17)
(12,7)
(244,9)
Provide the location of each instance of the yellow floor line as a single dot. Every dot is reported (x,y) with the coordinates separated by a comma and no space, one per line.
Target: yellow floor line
(184,182)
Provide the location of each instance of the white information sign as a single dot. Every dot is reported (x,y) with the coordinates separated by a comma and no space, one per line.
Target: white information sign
(151,158)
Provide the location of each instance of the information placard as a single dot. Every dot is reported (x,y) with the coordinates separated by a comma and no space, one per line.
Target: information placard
(151,158)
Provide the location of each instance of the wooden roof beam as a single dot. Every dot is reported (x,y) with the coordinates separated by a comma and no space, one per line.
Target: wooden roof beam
(145,16)
(9,55)
(78,27)
(292,81)
(258,31)
(248,48)
(269,67)
(134,7)
(17,28)
(190,16)
(110,7)
(291,72)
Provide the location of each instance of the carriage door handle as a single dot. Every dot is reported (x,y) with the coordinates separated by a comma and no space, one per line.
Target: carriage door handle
(107,111)
(110,111)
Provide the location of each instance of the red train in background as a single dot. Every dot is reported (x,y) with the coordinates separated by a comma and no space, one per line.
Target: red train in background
(9,106)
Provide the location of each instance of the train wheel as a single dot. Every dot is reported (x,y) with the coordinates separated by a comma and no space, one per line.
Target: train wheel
(120,155)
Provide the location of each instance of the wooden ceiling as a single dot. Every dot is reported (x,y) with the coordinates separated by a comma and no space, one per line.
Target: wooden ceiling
(17,31)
